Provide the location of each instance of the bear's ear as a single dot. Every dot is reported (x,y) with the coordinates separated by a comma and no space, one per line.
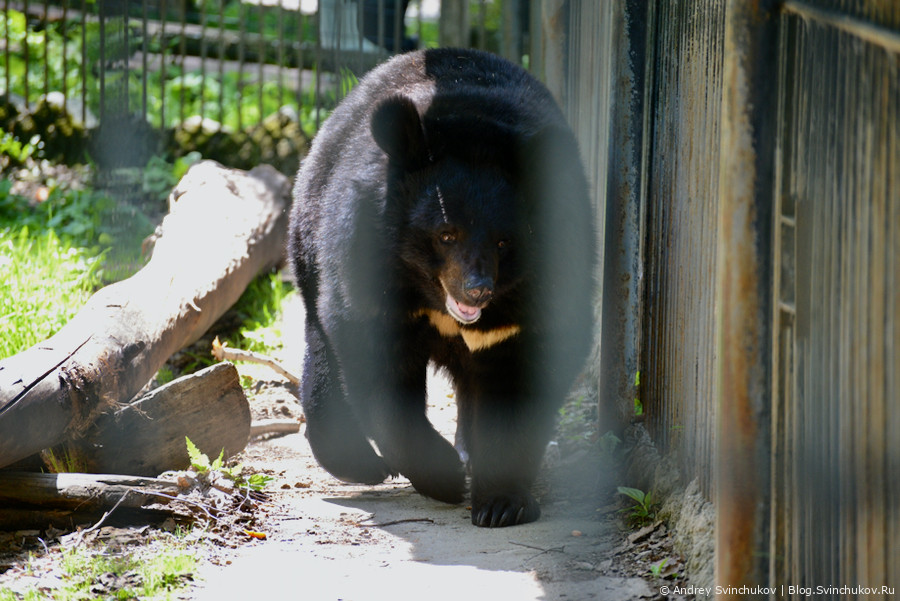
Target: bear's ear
(397,129)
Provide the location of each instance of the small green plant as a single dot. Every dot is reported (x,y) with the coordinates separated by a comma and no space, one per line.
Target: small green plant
(62,460)
(258,310)
(638,405)
(203,466)
(13,151)
(643,512)
(92,573)
(657,568)
(608,444)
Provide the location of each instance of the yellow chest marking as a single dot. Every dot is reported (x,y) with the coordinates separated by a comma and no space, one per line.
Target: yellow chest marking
(475,340)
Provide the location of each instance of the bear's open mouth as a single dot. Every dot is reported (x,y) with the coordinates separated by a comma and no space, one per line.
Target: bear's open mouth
(462,313)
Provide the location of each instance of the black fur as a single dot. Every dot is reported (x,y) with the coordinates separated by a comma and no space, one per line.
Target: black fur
(444,172)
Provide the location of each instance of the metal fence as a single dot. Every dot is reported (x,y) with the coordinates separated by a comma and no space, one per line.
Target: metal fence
(745,162)
(245,80)
(751,277)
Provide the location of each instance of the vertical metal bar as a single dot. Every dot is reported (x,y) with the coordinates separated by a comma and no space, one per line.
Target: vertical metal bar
(84,61)
(300,26)
(482,22)
(262,60)
(419,28)
(123,103)
(163,45)
(221,55)
(203,53)
(145,50)
(241,58)
(46,53)
(622,259)
(317,98)
(339,42)
(25,53)
(743,296)
(6,44)
(281,18)
(183,53)
(381,13)
(65,46)
(102,66)
(398,27)
(318,69)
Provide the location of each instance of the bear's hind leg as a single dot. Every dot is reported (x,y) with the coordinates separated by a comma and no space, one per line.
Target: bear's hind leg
(334,434)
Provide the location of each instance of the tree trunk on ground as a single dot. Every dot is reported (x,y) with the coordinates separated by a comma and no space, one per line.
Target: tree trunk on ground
(31,500)
(146,437)
(223,228)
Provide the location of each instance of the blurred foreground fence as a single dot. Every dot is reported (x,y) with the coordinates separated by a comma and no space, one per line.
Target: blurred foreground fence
(752,276)
(745,159)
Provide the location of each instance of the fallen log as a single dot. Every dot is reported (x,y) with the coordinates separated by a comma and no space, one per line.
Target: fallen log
(146,437)
(65,500)
(81,491)
(223,228)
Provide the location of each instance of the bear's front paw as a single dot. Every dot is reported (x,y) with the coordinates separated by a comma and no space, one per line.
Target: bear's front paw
(436,471)
(504,510)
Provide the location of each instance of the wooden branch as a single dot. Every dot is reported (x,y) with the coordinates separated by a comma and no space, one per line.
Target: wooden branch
(274,426)
(224,227)
(222,352)
(146,437)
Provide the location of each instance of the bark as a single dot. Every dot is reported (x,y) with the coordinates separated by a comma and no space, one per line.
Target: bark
(146,437)
(223,228)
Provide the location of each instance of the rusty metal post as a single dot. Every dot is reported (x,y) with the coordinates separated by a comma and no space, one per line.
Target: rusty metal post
(744,292)
(622,261)
(454,23)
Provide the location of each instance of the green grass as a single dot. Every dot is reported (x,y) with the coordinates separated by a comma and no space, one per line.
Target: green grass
(258,310)
(148,576)
(50,262)
(45,282)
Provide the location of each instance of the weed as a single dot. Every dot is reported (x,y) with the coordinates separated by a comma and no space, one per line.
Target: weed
(203,466)
(63,460)
(638,405)
(657,568)
(643,512)
(608,444)
(91,573)
(257,310)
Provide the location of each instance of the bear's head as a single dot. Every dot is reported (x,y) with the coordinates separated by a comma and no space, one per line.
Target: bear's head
(455,208)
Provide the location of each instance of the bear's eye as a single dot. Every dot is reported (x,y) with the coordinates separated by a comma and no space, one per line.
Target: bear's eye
(448,237)
(503,244)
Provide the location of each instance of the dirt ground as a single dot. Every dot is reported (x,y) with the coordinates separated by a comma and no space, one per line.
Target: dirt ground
(327,540)
(330,540)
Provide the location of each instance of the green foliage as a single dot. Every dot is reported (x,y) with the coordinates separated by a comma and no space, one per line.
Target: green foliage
(160,176)
(638,405)
(203,466)
(12,151)
(72,52)
(85,571)
(45,281)
(50,262)
(643,512)
(609,443)
(657,568)
(258,310)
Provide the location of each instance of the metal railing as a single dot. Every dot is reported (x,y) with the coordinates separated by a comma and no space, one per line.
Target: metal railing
(239,78)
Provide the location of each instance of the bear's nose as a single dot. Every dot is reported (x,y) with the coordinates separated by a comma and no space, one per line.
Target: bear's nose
(479,290)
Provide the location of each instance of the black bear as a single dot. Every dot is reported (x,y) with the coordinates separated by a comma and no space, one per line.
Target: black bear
(442,215)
